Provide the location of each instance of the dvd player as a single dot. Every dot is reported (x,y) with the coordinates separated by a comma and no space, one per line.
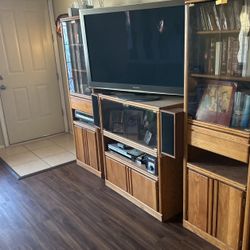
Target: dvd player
(83,117)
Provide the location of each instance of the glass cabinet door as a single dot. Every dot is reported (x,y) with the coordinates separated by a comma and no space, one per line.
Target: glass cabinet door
(74,57)
(219,63)
(131,122)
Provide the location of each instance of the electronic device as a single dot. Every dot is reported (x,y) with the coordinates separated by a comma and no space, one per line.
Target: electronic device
(95,105)
(83,117)
(126,151)
(138,48)
(151,164)
(171,142)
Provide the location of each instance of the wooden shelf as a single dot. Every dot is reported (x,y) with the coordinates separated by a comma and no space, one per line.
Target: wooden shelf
(137,167)
(229,171)
(79,70)
(227,78)
(80,95)
(131,143)
(217,32)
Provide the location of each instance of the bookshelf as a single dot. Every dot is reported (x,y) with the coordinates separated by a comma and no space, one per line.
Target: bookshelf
(74,56)
(217,109)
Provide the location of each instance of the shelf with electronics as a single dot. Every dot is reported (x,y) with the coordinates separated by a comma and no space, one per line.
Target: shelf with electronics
(87,136)
(217,108)
(137,163)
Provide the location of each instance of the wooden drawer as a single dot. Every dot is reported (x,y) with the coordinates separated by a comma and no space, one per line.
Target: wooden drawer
(220,140)
(81,104)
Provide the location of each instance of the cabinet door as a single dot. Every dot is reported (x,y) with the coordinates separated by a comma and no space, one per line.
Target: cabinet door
(116,173)
(198,188)
(92,149)
(81,144)
(144,189)
(229,215)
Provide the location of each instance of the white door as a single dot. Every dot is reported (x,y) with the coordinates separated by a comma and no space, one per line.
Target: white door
(31,100)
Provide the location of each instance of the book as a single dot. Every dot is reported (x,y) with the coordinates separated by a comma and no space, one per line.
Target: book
(230,45)
(218,53)
(236,68)
(237,109)
(223,18)
(224,55)
(237,9)
(216,104)
(246,57)
(245,120)
(216,16)
(211,60)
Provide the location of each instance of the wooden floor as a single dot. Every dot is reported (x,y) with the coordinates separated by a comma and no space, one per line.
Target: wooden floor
(69,208)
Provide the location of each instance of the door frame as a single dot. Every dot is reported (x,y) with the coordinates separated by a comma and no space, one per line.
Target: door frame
(59,80)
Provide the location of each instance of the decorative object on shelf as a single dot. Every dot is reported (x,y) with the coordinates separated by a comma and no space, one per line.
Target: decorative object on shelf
(132,121)
(58,24)
(116,123)
(216,104)
(101,3)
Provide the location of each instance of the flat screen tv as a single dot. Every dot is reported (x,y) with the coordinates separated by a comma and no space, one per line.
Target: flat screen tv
(137,48)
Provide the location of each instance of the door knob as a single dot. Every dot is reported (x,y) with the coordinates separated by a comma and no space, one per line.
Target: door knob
(2,87)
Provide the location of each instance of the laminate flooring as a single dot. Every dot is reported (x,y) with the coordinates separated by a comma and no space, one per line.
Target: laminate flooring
(70,208)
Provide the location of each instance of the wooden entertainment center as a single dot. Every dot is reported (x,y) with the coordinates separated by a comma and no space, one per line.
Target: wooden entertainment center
(212,186)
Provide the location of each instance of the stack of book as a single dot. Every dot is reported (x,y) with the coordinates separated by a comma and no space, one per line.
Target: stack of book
(227,56)
(241,110)
(221,17)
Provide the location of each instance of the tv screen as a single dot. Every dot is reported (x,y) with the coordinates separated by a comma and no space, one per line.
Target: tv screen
(135,48)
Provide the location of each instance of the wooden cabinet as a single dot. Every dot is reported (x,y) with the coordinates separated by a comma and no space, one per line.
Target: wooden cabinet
(116,173)
(144,189)
(216,208)
(88,147)
(230,211)
(134,183)
(198,200)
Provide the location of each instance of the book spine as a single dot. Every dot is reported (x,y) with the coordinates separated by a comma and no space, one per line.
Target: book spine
(229,55)
(216,16)
(224,57)
(211,63)
(236,71)
(218,50)
(246,113)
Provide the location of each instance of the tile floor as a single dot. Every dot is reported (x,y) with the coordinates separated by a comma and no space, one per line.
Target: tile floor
(31,157)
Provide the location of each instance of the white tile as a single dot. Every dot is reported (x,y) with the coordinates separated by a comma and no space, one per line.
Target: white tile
(13,150)
(39,144)
(48,151)
(30,167)
(64,138)
(19,159)
(59,159)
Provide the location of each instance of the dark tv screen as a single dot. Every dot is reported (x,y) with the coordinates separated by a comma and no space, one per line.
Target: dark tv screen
(137,49)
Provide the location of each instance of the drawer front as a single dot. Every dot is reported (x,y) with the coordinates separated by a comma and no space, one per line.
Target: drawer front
(144,189)
(218,142)
(81,104)
(116,173)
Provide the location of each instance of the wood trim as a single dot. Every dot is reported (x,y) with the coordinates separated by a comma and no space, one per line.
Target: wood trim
(81,96)
(132,199)
(185,156)
(210,206)
(219,128)
(81,104)
(217,177)
(215,207)
(246,230)
(204,235)
(155,106)
(130,143)
(90,169)
(85,126)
